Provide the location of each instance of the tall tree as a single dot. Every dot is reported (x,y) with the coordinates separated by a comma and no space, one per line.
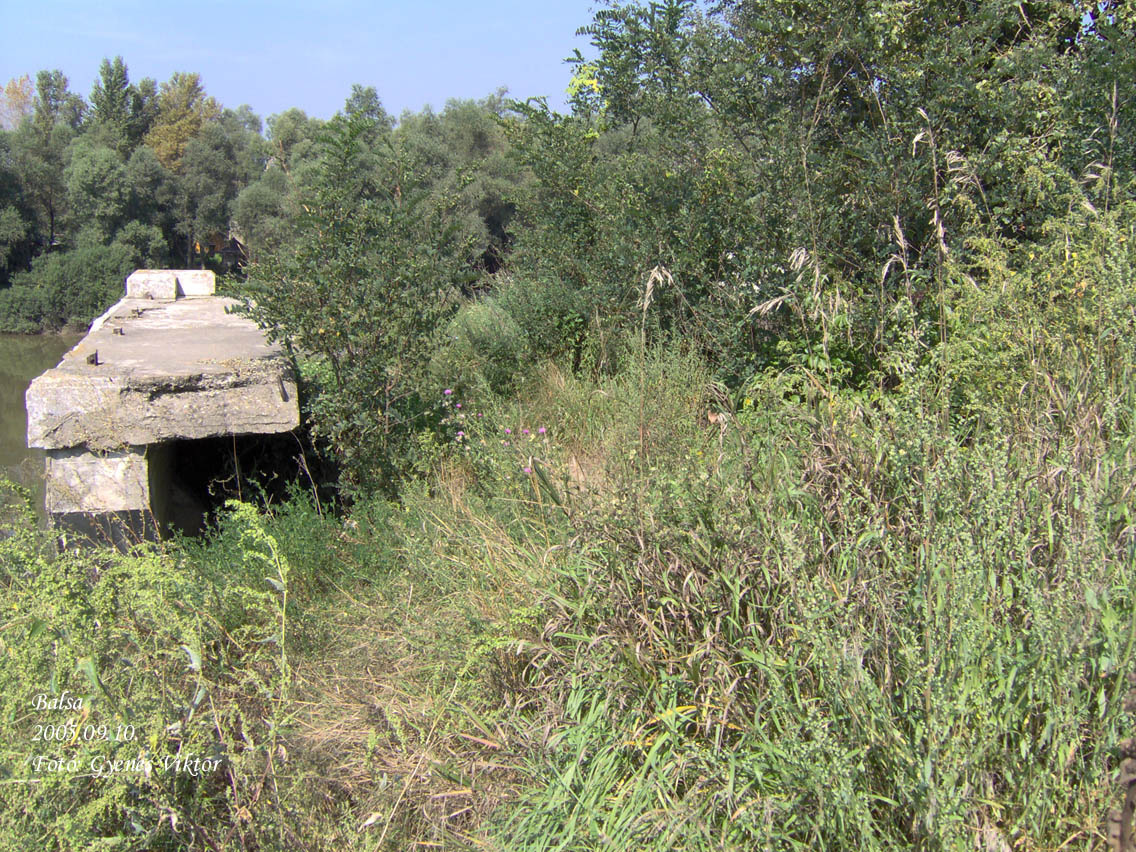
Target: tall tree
(97,192)
(183,107)
(16,102)
(40,146)
(15,217)
(143,110)
(111,98)
(56,104)
(292,137)
(364,101)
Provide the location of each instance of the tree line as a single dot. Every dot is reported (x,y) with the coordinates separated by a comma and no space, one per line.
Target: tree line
(844,189)
(148,174)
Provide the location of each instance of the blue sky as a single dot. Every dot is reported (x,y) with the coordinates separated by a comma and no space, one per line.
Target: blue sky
(276,55)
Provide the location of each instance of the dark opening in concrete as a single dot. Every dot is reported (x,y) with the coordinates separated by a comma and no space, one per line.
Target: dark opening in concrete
(203,474)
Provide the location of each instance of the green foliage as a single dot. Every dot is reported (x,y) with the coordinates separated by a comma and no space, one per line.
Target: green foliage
(829,622)
(364,289)
(97,191)
(13,231)
(259,211)
(831,158)
(465,156)
(134,639)
(213,169)
(111,105)
(176,658)
(481,350)
(70,288)
(824,540)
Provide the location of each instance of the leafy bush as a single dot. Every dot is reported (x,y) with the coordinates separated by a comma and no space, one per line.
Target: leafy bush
(364,291)
(481,350)
(66,288)
(22,310)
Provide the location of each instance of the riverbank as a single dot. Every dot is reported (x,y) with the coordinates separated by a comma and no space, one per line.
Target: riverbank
(601,619)
(22,358)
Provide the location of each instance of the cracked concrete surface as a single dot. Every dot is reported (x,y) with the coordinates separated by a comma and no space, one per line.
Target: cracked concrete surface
(153,371)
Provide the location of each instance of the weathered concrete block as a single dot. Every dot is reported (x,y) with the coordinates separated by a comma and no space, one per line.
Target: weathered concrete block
(169,284)
(152,370)
(118,498)
(185,369)
(82,481)
(196,282)
(152,284)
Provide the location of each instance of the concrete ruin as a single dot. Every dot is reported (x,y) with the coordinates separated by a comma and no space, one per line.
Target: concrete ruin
(167,364)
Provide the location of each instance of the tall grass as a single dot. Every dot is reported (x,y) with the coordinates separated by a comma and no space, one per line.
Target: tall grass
(645,611)
(857,619)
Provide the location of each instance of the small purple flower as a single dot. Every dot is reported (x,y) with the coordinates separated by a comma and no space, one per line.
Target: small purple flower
(458,405)
(504,443)
(479,414)
(461,435)
(524,431)
(541,430)
(527,469)
(448,391)
(508,431)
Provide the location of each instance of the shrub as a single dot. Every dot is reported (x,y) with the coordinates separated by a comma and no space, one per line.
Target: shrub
(481,351)
(66,288)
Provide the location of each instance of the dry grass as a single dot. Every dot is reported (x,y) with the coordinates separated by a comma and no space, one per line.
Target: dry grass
(405,710)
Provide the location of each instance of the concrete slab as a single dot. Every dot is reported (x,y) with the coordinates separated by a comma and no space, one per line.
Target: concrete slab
(170,284)
(152,284)
(152,371)
(196,282)
(80,481)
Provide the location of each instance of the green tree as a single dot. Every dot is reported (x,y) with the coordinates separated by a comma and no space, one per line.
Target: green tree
(362,291)
(40,151)
(13,232)
(292,138)
(17,219)
(265,210)
(261,216)
(143,110)
(220,161)
(467,156)
(151,189)
(56,104)
(111,105)
(183,109)
(364,101)
(98,194)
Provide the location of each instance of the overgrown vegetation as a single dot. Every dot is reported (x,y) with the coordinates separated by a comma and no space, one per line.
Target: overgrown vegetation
(768,480)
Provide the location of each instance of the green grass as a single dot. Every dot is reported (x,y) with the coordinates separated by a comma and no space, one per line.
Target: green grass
(638,611)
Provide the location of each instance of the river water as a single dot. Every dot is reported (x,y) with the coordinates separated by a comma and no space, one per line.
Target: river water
(22,358)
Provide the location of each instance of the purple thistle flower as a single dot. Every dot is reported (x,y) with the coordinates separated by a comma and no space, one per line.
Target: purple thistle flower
(524,431)
(448,391)
(527,469)
(508,431)
(541,430)
(458,405)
